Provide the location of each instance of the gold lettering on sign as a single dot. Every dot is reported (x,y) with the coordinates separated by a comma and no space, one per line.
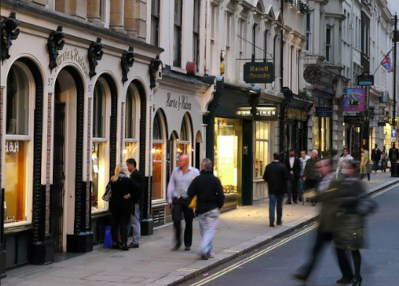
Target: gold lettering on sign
(73,56)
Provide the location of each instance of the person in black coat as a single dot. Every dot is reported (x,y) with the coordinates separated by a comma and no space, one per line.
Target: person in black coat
(121,205)
(278,179)
(393,155)
(294,169)
(375,157)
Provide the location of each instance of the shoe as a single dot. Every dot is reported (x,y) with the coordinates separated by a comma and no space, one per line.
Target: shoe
(279,223)
(344,279)
(300,276)
(133,245)
(287,202)
(271,224)
(116,245)
(296,202)
(204,257)
(356,281)
(210,255)
(176,247)
(124,247)
(187,248)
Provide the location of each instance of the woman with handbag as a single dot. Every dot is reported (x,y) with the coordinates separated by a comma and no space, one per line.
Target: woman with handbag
(121,205)
(350,221)
(364,164)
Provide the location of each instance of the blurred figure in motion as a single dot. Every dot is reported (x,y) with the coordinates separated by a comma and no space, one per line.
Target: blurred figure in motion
(364,163)
(328,191)
(349,233)
(345,156)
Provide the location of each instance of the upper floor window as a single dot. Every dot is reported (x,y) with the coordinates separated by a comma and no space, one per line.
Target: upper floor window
(308,32)
(177,33)
(131,112)
(196,28)
(254,28)
(329,45)
(155,22)
(228,30)
(265,35)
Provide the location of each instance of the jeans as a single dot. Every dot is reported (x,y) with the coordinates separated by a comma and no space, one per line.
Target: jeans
(272,206)
(135,223)
(375,166)
(293,191)
(179,207)
(384,165)
(208,222)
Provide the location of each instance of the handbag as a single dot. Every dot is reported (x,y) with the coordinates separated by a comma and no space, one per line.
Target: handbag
(108,193)
(193,203)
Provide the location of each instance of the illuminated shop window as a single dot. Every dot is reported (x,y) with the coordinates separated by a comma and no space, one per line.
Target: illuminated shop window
(183,143)
(261,148)
(18,146)
(226,152)
(158,158)
(131,119)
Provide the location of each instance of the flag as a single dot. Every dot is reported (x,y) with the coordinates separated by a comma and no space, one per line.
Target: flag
(387,63)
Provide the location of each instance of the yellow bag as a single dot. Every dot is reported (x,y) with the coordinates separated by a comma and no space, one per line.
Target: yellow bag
(193,203)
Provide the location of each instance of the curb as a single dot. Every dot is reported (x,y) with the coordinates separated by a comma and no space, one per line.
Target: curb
(181,275)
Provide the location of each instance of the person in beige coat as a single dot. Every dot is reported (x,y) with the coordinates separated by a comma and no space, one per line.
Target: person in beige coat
(364,163)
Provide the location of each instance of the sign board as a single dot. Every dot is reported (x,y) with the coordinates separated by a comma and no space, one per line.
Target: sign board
(323,111)
(352,119)
(367,80)
(394,133)
(258,72)
(263,112)
(296,114)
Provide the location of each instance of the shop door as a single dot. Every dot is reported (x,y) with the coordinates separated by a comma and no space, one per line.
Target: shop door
(57,194)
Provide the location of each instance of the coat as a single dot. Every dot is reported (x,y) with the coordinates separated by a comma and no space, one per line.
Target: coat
(118,204)
(296,168)
(364,163)
(310,171)
(277,177)
(376,155)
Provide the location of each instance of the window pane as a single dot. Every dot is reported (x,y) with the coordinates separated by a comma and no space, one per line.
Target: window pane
(17,102)
(177,47)
(130,115)
(130,151)
(157,171)
(100,178)
(157,132)
(98,111)
(184,131)
(15,187)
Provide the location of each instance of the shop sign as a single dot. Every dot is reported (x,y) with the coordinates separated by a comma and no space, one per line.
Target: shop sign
(73,56)
(296,114)
(354,100)
(366,80)
(180,102)
(322,111)
(258,72)
(262,112)
(352,119)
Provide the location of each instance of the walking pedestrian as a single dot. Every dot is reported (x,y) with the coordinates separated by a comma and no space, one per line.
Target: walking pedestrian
(278,180)
(375,157)
(310,176)
(178,199)
(393,155)
(294,169)
(137,177)
(384,158)
(121,204)
(302,160)
(349,234)
(327,192)
(364,163)
(345,156)
(210,199)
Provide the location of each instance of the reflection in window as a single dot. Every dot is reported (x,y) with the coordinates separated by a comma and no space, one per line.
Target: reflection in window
(17,102)
(261,148)
(226,152)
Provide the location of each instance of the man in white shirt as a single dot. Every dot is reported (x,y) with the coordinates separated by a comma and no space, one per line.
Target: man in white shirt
(345,156)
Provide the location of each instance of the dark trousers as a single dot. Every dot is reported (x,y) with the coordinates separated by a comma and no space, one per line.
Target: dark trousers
(181,207)
(362,176)
(321,239)
(120,221)
(275,204)
(293,191)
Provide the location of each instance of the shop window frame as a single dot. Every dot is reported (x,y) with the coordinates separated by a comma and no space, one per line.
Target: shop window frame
(265,152)
(159,117)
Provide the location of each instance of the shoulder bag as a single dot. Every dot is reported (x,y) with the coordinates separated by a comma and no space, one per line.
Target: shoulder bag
(108,193)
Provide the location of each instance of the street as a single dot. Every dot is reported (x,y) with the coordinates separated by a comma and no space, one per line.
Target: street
(273,264)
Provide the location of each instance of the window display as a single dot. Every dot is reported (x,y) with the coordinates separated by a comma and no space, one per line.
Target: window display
(158,159)
(261,148)
(99,175)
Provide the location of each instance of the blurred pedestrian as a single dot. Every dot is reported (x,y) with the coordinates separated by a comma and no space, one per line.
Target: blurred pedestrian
(137,177)
(384,157)
(393,155)
(310,176)
(375,157)
(294,169)
(278,180)
(210,199)
(327,192)
(302,160)
(121,204)
(364,163)
(178,199)
(345,156)
(349,233)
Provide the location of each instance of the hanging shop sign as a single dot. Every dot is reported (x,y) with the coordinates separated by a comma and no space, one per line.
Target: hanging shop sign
(258,72)
(352,119)
(262,112)
(296,114)
(323,111)
(354,100)
(366,80)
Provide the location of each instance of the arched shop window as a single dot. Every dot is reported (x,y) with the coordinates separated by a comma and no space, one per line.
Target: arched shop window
(19,145)
(183,142)
(131,127)
(100,147)
(158,157)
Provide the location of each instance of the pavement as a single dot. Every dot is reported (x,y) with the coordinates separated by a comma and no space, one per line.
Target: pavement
(239,231)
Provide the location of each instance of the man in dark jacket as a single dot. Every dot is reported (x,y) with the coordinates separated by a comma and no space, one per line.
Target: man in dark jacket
(375,157)
(278,180)
(136,176)
(393,155)
(294,169)
(210,199)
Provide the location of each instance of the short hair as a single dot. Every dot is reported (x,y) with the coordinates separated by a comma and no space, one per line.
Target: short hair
(345,149)
(328,161)
(315,151)
(292,150)
(131,161)
(207,163)
(276,156)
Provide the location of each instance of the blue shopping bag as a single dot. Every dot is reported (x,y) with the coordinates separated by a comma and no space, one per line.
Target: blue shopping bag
(108,237)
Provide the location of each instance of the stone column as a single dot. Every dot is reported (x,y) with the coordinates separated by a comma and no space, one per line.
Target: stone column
(93,11)
(117,16)
(72,7)
(135,18)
